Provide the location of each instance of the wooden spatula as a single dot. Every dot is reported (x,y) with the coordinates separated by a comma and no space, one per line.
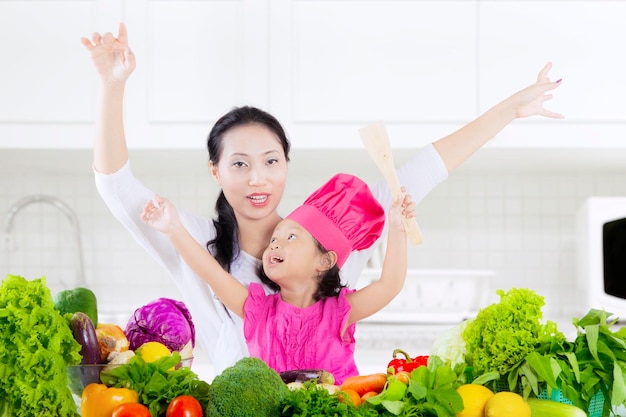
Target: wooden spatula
(376,141)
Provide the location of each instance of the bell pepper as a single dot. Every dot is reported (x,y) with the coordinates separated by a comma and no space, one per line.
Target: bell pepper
(407,363)
(98,400)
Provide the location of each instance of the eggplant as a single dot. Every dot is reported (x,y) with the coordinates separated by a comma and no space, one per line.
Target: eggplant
(85,334)
(302,375)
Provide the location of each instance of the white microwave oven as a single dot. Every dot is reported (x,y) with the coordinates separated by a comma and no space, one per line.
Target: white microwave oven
(601,254)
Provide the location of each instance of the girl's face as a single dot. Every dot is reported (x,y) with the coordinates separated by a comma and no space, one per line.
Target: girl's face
(252,171)
(292,253)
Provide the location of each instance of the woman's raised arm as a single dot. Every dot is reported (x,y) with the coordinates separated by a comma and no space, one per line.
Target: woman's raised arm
(114,62)
(455,148)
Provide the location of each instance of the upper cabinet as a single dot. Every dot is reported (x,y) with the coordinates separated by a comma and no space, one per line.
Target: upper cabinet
(324,68)
(583,41)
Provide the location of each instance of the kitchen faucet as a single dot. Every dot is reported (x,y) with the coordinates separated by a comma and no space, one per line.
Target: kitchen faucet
(66,210)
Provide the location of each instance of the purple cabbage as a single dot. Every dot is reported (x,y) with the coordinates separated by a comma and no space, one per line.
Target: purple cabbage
(163,320)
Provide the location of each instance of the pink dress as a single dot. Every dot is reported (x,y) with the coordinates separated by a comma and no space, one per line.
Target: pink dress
(287,337)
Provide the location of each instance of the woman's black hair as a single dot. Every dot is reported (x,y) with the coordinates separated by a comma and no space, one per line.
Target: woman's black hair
(329,282)
(225,246)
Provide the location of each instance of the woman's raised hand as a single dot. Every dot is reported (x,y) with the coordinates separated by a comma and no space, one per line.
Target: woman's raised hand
(529,101)
(112,56)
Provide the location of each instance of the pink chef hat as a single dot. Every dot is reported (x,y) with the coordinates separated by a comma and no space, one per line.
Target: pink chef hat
(342,215)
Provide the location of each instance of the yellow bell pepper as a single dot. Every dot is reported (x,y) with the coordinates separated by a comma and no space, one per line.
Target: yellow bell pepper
(98,400)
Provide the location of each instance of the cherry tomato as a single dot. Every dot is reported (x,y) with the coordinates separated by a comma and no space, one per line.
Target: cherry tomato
(131,410)
(184,406)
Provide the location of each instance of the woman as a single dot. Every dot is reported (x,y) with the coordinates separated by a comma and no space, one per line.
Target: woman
(248,153)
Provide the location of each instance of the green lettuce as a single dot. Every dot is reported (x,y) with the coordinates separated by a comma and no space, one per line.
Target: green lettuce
(503,334)
(36,345)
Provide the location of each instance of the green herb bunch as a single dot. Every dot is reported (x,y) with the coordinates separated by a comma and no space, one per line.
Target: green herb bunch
(594,361)
(312,400)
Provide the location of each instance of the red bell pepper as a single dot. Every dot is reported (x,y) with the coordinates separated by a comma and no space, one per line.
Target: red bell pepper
(407,363)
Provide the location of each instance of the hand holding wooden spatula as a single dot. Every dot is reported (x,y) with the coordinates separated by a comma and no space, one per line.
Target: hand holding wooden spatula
(376,141)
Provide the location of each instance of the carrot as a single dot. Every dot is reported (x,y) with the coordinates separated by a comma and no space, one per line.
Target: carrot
(351,395)
(365,383)
(368,394)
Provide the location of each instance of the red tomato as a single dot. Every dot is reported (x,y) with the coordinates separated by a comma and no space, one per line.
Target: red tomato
(131,410)
(184,406)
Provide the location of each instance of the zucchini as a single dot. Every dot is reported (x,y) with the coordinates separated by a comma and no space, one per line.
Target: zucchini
(540,407)
(85,334)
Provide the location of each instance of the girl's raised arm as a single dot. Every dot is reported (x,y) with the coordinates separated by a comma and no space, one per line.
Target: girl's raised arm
(164,217)
(114,62)
(375,296)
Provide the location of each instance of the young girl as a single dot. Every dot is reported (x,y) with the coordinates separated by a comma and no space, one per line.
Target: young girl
(309,323)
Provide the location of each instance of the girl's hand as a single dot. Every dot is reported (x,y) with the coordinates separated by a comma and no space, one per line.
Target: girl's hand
(162,216)
(112,56)
(529,101)
(404,206)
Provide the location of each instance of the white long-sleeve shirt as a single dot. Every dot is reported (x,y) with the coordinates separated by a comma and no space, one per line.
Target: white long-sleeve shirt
(219,333)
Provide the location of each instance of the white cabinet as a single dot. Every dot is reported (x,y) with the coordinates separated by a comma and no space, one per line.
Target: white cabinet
(347,63)
(583,39)
(324,68)
(196,60)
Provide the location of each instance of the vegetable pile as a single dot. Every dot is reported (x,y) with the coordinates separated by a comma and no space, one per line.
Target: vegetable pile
(36,345)
(507,347)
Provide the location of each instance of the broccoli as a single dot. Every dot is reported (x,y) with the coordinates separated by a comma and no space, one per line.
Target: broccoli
(249,388)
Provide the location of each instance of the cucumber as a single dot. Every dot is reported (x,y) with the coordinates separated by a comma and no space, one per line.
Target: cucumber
(540,407)
(85,333)
(301,375)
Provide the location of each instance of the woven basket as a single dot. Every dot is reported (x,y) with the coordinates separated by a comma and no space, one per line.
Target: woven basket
(596,405)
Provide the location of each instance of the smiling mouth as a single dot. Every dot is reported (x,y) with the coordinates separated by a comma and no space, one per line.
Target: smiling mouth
(275,259)
(258,199)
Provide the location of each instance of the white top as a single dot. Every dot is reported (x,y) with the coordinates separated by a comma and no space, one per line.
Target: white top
(220,333)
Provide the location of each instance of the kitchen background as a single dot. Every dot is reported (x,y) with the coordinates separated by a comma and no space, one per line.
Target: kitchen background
(506,218)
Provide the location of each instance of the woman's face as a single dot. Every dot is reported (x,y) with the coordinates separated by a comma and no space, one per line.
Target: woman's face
(252,171)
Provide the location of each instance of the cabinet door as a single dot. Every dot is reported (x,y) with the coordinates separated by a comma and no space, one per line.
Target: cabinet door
(46,81)
(196,60)
(339,64)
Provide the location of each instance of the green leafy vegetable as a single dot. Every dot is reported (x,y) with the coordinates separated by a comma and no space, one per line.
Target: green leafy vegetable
(504,333)
(314,400)
(157,383)
(599,357)
(431,392)
(36,345)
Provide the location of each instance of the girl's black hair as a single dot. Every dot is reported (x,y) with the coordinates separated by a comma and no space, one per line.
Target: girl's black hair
(329,282)
(225,246)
